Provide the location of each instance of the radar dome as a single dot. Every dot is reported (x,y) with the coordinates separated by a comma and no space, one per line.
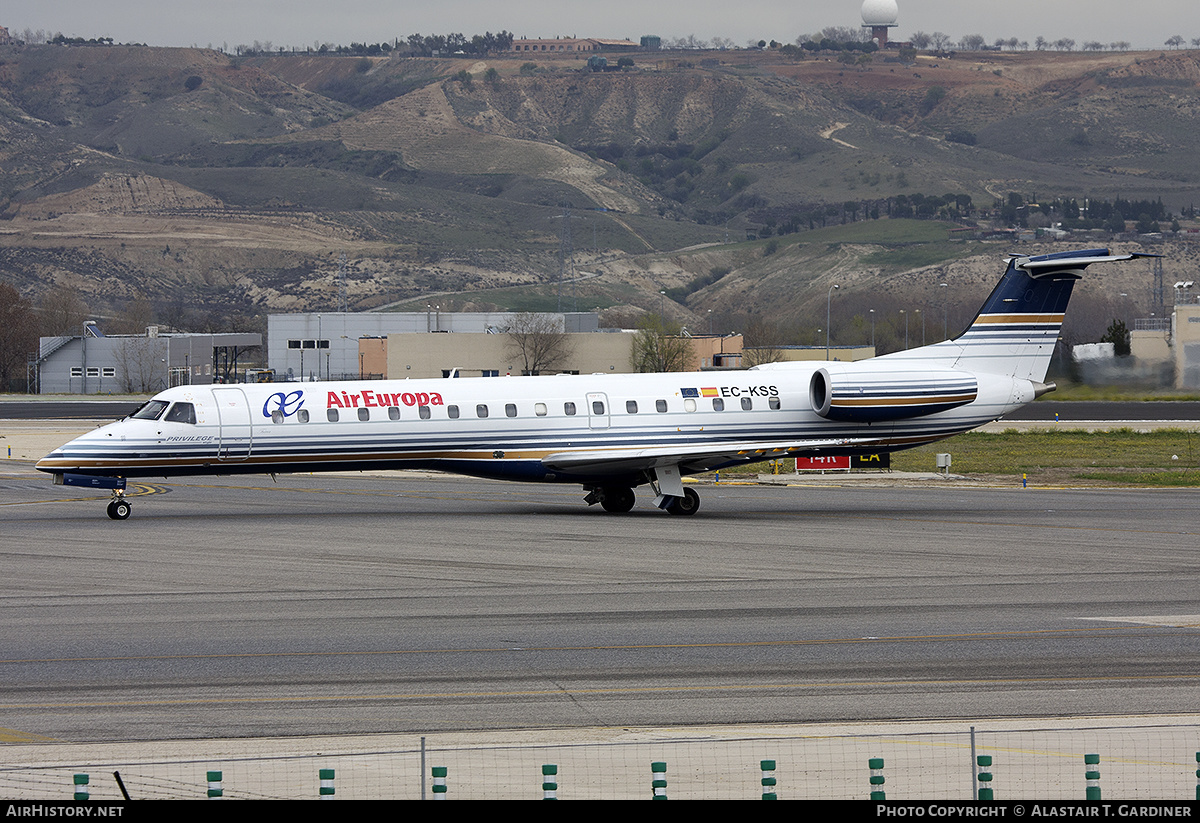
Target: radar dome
(880,12)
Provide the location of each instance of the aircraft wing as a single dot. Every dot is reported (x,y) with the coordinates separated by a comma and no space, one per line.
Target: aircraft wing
(700,457)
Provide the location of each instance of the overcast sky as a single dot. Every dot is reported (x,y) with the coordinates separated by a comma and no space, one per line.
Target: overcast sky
(227,23)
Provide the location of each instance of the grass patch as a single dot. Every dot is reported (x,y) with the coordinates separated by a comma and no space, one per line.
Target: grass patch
(918,255)
(1164,457)
(1166,479)
(1077,391)
(1013,453)
(884,232)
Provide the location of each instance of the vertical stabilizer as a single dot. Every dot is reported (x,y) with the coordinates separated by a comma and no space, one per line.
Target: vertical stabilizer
(1015,332)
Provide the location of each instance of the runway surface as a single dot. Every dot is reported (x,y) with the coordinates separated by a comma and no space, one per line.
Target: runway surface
(349,604)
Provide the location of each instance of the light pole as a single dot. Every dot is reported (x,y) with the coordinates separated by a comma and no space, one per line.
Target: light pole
(918,311)
(828,303)
(872,313)
(945,325)
(83,345)
(902,312)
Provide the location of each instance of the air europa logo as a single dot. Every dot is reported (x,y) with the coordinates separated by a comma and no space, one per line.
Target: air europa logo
(285,404)
(379,400)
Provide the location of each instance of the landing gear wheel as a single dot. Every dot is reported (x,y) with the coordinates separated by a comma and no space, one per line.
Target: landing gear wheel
(687,505)
(617,499)
(119,510)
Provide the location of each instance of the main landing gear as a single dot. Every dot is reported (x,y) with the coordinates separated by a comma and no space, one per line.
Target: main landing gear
(118,507)
(620,499)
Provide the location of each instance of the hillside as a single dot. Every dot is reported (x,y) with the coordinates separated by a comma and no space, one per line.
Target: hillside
(214,186)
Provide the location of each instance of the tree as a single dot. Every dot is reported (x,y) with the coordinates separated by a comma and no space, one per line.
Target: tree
(62,312)
(762,342)
(539,340)
(659,347)
(1118,335)
(18,336)
(138,360)
(1174,41)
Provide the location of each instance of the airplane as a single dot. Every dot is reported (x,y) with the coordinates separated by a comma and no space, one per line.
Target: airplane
(608,433)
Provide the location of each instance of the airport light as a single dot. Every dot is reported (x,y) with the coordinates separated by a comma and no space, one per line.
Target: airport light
(945,314)
(828,303)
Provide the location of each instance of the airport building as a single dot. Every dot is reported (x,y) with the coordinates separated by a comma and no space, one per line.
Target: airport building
(400,356)
(95,363)
(325,346)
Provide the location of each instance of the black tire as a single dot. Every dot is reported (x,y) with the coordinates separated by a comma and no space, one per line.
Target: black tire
(119,510)
(618,499)
(687,505)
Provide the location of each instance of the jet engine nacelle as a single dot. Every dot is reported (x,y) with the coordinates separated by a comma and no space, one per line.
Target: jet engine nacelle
(868,392)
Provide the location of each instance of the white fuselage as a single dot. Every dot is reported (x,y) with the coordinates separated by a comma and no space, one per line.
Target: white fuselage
(505,427)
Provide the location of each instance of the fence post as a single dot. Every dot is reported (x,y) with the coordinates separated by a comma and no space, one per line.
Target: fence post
(875,764)
(984,771)
(658,770)
(439,782)
(1092,775)
(549,782)
(81,786)
(768,780)
(214,784)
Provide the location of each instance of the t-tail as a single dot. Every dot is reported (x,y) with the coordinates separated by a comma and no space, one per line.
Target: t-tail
(1015,332)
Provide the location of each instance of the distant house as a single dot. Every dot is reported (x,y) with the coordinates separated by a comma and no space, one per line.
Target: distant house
(562,45)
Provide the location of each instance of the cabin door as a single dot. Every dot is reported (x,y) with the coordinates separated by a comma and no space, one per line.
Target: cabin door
(233,413)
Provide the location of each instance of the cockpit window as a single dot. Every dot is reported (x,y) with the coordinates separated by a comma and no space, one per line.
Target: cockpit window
(182,413)
(152,410)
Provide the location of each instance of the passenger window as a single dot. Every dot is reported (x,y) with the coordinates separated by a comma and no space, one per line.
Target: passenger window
(631,407)
(481,410)
(718,404)
(364,415)
(182,413)
(660,405)
(277,416)
(747,404)
(331,415)
(510,409)
(423,412)
(773,403)
(452,411)
(302,416)
(568,409)
(689,404)
(393,412)
(539,409)
(597,407)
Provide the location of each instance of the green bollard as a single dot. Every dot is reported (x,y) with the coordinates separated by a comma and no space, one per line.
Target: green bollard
(658,770)
(876,766)
(1092,775)
(768,780)
(439,782)
(214,784)
(983,766)
(549,782)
